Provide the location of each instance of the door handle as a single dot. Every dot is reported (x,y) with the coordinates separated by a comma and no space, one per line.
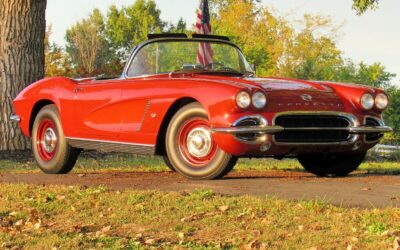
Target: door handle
(77,90)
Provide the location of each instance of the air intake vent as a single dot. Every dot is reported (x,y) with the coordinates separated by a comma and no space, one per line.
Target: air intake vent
(373,123)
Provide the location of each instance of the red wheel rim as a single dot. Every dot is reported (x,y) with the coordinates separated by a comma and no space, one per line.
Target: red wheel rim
(195,142)
(46,140)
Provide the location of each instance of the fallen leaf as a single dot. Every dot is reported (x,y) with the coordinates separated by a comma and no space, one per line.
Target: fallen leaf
(255,244)
(60,197)
(349,247)
(181,235)
(19,223)
(105,229)
(192,217)
(301,228)
(150,241)
(13,214)
(240,215)
(223,208)
(81,175)
(7,244)
(355,239)
(396,243)
(37,225)
(365,189)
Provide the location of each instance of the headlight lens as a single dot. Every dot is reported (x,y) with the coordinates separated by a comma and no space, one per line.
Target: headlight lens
(367,101)
(259,100)
(381,101)
(243,100)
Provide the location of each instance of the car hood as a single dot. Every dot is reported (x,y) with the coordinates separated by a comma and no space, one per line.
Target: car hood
(274,84)
(287,94)
(268,84)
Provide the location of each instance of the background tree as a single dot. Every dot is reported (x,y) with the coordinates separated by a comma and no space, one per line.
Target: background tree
(311,52)
(57,62)
(88,46)
(305,49)
(361,6)
(392,114)
(22,33)
(130,25)
(262,36)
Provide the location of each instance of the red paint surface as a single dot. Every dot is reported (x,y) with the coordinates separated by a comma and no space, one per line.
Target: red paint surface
(132,110)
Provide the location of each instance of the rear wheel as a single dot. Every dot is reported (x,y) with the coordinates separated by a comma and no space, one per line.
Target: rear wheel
(50,149)
(190,147)
(331,165)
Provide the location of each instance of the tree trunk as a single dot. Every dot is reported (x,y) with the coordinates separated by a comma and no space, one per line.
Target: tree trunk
(22,33)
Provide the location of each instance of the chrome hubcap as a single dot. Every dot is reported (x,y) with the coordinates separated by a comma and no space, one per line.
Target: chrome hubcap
(49,140)
(199,142)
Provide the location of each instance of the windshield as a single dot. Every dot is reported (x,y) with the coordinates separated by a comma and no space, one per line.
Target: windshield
(188,56)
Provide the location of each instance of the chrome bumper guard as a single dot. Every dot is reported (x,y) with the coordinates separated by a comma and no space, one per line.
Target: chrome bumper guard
(15,118)
(277,129)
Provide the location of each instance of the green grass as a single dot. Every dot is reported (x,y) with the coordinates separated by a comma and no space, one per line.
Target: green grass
(36,217)
(48,217)
(123,162)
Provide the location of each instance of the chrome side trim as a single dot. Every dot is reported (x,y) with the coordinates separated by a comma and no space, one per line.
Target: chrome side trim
(277,129)
(15,118)
(112,146)
(248,129)
(146,110)
(370,130)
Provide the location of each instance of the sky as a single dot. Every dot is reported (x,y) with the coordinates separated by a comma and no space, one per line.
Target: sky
(372,37)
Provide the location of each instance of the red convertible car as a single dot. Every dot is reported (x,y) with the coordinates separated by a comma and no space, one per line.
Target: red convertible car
(201,117)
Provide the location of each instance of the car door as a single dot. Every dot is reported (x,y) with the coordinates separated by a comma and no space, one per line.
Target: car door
(136,98)
(96,108)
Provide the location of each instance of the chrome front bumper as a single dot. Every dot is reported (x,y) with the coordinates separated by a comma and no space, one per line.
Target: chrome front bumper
(277,129)
(15,118)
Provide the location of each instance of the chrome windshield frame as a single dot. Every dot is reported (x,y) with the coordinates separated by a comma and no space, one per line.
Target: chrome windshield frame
(136,50)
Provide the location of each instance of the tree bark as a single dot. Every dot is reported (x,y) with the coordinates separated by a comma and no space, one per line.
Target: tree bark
(22,33)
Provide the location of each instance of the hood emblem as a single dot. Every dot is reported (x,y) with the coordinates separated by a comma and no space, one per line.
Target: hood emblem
(306,97)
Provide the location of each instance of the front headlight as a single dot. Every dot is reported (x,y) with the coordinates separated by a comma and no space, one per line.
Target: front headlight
(367,101)
(259,100)
(381,101)
(243,100)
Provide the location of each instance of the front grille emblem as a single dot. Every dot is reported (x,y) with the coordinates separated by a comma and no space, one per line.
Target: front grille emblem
(306,97)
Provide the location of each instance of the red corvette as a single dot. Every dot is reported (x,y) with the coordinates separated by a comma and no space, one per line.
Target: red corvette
(200,118)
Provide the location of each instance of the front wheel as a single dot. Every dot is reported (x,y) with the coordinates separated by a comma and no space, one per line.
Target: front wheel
(331,165)
(191,149)
(50,149)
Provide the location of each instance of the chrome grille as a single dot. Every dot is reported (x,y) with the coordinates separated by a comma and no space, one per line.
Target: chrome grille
(318,129)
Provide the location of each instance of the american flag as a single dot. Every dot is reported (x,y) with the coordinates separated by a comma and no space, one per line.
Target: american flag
(203,26)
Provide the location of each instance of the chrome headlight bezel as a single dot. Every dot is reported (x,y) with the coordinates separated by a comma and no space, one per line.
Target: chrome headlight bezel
(381,101)
(259,100)
(367,101)
(243,99)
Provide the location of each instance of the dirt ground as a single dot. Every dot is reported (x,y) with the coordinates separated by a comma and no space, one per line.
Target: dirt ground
(357,190)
